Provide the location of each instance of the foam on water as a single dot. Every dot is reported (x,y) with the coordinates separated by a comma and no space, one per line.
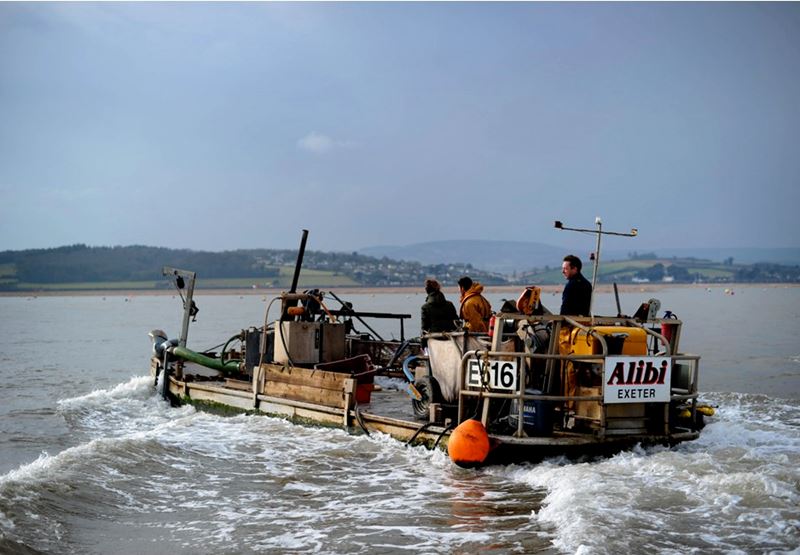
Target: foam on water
(127,407)
(138,387)
(189,478)
(229,478)
(738,484)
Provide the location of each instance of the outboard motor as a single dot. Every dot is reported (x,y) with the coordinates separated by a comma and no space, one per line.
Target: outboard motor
(161,343)
(161,346)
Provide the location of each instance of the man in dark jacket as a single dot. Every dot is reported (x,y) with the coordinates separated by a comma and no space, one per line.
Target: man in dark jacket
(438,314)
(576,299)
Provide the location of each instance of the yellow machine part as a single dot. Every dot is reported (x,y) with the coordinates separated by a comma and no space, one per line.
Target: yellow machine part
(635,340)
(706,410)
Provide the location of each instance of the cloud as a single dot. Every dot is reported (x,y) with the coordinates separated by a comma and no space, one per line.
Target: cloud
(319,143)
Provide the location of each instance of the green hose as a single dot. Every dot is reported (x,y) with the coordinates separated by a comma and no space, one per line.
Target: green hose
(203,360)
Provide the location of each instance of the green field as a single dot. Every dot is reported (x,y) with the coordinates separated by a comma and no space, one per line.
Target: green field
(624,270)
(712,273)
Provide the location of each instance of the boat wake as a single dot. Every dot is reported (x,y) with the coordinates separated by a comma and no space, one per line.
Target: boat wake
(216,476)
(129,407)
(742,472)
(186,478)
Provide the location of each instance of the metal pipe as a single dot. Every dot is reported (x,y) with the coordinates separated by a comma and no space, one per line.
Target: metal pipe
(203,360)
(188,303)
(294,296)
(299,262)
(289,299)
(596,264)
(350,312)
(658,336)
(406,371)
(187,312)
(527,397)
(589,331)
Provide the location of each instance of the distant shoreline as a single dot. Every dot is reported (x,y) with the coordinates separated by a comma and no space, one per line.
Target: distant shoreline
(604,288)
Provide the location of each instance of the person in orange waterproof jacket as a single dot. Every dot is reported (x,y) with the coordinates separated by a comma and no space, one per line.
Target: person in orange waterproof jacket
(475,309)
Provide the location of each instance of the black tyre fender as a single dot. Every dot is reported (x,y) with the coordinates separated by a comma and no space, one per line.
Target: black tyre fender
(429,388)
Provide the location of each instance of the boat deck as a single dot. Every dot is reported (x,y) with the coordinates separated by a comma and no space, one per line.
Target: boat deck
(389,398)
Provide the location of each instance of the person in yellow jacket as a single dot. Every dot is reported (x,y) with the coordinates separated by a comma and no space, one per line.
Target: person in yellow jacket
(475,309)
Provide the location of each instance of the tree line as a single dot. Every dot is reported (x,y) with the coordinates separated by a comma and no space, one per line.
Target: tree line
(84,264)
(80,263)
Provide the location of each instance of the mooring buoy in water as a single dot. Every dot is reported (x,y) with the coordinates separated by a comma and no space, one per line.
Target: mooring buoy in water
(468,445)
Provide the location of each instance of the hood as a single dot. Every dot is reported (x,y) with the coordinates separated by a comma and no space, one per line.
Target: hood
(476,289)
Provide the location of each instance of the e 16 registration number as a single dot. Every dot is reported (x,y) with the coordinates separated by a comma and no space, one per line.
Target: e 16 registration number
(502,374)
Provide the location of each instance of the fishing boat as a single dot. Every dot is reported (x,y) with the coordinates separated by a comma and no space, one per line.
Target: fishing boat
(537,385)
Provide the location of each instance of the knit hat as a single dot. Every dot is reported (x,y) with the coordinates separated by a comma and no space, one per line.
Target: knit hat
(431,285)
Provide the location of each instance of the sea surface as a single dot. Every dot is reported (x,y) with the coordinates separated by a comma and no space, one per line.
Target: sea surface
(92,461)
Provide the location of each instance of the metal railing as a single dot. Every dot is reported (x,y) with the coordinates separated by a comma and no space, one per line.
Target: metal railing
(521,396)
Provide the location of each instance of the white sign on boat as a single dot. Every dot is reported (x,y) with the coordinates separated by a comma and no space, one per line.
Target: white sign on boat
(637,379)
(502,374)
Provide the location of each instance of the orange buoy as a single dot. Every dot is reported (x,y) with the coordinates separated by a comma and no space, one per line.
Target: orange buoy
(468,445)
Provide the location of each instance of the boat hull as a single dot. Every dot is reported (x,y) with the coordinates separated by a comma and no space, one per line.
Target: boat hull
(230,397)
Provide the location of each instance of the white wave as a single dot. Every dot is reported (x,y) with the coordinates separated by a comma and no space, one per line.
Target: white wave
(306,540)
(124,409)
(304,464)
(738,479)
(743,419)
(138,387)
(51,468)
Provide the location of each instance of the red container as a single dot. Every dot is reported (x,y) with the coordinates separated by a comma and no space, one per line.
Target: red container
(364,392)
(359,368)
(667,330)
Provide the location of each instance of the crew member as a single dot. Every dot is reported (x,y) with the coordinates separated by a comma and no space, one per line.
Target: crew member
(575,301)
(577,296)
(475,309)
(437,314)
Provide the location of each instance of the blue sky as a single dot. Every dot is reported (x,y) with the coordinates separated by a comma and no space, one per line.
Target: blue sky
(234,125)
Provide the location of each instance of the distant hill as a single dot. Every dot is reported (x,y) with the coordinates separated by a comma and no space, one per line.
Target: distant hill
(80,267)
(507,257)
(77,267)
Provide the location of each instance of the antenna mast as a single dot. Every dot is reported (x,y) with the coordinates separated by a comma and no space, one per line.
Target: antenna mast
(599,232)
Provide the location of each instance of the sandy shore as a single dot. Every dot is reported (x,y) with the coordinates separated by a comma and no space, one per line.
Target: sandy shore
(547,289)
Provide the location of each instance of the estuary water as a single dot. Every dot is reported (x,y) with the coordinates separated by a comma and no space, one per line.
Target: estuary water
(92,461)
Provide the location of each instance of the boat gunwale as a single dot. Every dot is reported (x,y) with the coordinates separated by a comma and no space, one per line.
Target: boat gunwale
(182,391)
